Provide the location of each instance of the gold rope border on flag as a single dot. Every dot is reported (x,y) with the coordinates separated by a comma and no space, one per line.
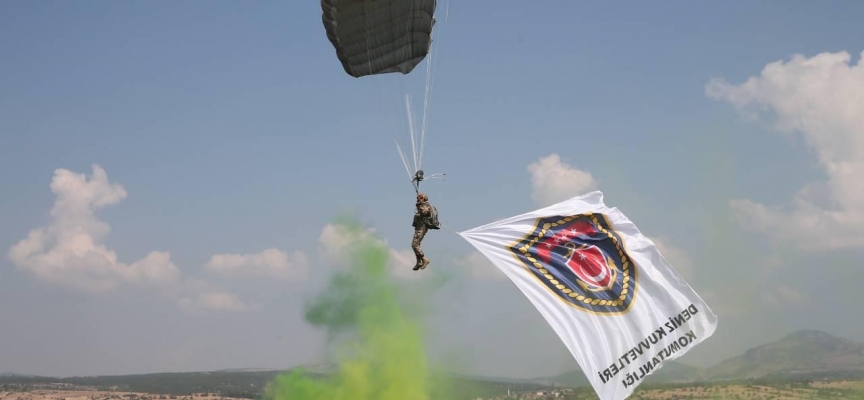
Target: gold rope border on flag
(625,282)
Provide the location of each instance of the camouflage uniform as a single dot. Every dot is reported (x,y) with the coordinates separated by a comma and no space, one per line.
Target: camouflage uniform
(422,216)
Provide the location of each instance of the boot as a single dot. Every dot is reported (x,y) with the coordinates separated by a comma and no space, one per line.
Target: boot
(425,263)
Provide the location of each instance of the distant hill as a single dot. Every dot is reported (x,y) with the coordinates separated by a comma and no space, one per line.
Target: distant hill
(568,379)
(800,353)
(231,384)
(805,354)
(674,372)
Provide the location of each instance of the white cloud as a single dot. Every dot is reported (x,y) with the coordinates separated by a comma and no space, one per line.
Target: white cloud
(69,251)
(337,242)
(553,180)
(478,267)
(402,264)
(821,97)
(196,295)
(679,259)
(270,263)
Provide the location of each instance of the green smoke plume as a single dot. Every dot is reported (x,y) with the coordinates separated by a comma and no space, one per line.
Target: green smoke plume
(380,325)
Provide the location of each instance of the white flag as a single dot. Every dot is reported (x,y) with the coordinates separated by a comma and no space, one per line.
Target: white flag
(614,301)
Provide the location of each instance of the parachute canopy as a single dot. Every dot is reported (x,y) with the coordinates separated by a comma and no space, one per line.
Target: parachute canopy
(374,37)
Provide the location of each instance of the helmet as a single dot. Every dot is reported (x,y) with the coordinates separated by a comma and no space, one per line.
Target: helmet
(422,197)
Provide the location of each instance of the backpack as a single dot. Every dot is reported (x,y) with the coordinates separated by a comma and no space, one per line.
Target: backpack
(432,222)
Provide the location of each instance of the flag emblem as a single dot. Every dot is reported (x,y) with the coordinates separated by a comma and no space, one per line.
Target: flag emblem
(582,260)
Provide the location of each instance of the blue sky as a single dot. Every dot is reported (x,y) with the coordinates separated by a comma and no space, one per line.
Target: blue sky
(233,129)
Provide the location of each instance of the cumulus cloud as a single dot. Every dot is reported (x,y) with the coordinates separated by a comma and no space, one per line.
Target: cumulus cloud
(336,243)
(478,267)
(69,251)
(553,181)
(270,263)
(821,98)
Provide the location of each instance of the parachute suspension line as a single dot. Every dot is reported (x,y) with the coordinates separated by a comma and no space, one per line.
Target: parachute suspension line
(430,81)
(394,33)
(418,154)
(425,122)
(406,51)
(394,83)
(404,161)
(426,95)
(417,132)
(411,131)
(427,99)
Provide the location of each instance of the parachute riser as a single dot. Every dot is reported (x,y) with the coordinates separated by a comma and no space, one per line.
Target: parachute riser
(419,177)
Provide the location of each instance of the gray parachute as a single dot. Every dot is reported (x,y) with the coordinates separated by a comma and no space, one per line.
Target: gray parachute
(379,36)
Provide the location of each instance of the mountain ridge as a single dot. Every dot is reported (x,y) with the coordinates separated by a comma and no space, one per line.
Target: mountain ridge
(800,354)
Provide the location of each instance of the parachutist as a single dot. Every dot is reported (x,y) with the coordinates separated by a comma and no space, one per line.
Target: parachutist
(425,218)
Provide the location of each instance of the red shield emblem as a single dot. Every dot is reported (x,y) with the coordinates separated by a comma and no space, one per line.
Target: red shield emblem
(589,264)
(581,258)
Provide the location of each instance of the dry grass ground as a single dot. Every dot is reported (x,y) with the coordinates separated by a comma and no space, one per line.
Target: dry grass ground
(815,390)
(83,394)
